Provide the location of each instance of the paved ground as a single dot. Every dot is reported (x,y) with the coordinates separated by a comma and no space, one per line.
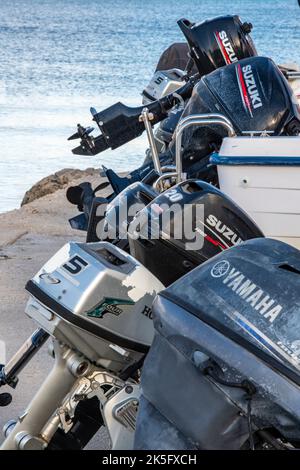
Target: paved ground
(28,237)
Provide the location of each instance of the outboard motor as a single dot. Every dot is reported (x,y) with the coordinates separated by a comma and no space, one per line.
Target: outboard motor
(227,354)
(105,313)
(113,224)
(93,206)
(158,237)
(161,84)
(252,93)
(165,131)
(120,124)
(210,42)
(218,42)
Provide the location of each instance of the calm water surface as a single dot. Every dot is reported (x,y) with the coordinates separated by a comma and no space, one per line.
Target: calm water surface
(59,57)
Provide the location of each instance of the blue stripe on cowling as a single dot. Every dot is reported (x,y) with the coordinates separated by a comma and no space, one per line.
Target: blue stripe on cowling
(216,159)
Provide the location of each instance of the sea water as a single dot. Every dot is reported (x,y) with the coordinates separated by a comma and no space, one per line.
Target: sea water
(60,57)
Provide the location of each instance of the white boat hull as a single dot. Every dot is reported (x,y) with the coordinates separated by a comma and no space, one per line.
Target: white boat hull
(262,175)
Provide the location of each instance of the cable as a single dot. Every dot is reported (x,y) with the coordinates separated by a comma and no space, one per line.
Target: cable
(249,422)
(245,385)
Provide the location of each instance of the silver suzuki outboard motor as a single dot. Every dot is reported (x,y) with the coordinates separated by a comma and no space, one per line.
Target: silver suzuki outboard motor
(227,354)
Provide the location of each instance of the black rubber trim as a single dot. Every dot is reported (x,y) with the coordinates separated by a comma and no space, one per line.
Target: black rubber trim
(269,360)
(67,315)
(147,95)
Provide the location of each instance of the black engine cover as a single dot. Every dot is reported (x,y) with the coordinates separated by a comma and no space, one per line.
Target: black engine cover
(251,294)
(237,314)
(252,93)
(218,42)
(169,257)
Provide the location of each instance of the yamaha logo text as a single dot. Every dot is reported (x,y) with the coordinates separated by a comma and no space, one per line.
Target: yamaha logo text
(247,290)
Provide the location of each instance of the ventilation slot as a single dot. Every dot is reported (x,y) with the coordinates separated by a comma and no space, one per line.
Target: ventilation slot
(288,267)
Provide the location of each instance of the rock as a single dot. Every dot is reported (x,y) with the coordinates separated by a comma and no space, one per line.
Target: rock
(58,180)
(4,257)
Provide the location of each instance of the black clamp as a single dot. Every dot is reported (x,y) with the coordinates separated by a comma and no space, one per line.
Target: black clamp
(5,398)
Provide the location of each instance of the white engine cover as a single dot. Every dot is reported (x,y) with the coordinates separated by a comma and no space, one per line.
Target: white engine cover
(262,175)
(100,293)
(163,83)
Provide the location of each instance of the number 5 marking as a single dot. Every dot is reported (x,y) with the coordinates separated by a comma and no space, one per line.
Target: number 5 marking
(75,265)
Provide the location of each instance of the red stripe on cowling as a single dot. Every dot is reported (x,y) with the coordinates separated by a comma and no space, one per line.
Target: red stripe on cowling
(244,89)
(221,46)
(215,242)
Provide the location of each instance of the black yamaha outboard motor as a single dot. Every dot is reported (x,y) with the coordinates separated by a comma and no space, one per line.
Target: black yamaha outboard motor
(186,225)
(227,354)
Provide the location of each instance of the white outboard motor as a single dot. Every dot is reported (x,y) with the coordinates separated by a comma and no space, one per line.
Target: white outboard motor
(162,83)
(96,298)
(94,301)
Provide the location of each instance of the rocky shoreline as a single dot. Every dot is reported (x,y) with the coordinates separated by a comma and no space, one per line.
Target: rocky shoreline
(45,209)
(59,180)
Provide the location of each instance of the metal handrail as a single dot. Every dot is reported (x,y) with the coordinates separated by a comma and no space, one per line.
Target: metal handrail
(146,117)
(168,171)
(166,168)
(192,120)
(293,74)
(162,178)
(197,120)
(205,116)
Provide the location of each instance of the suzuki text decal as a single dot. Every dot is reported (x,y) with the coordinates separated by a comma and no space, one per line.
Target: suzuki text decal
(225,47)
(248,88)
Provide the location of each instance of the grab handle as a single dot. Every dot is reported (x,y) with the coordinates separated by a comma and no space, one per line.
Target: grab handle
(197,120)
